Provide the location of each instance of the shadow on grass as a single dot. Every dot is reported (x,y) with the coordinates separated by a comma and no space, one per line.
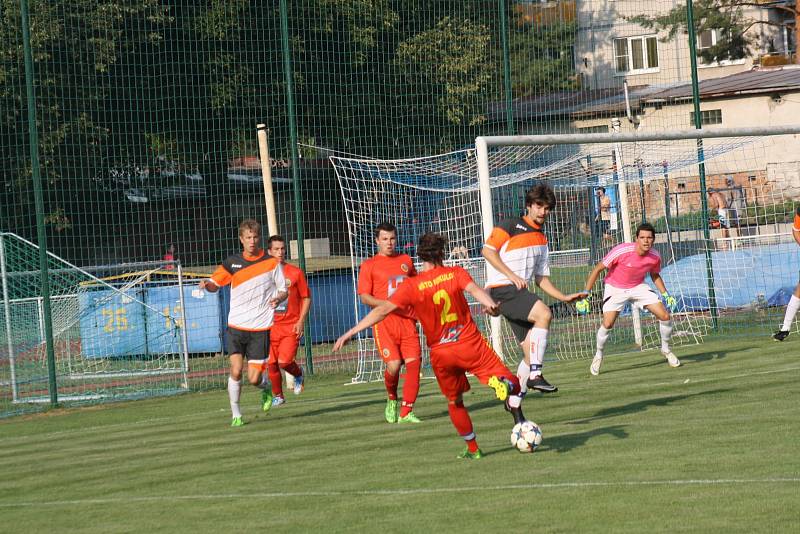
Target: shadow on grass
(641,406)
(567,442)
(344,407)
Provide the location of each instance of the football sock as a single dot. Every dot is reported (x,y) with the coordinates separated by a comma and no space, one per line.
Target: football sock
(538,344)
(665,329)
(410,387)
(234,388)
(264,382)
(275,377)
(513,385)
(391,382)
(461,420)
(791,311)
(602,337)
(292,368)
(523,372)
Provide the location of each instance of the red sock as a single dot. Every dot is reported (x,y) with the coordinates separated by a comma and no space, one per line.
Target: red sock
(292,368)
(275,377)
(461,420)
(391,382)
(513,383)
(410,387)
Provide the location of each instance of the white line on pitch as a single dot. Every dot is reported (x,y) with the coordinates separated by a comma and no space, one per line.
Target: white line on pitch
(410,491)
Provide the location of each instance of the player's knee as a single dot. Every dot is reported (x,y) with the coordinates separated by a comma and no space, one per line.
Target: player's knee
(393,367)
(540,315)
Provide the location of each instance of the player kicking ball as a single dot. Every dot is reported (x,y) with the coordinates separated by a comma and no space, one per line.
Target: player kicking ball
(457,347)
(794,302)
(628,264)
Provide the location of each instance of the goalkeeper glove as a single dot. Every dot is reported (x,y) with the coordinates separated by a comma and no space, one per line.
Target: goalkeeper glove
(583,306)
(670,301)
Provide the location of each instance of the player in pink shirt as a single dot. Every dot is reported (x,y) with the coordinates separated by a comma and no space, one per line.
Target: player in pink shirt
(628,264)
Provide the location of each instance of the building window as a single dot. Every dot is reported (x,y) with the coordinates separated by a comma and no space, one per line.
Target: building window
(593,129)
(706,40)
(635,55)
(710,116)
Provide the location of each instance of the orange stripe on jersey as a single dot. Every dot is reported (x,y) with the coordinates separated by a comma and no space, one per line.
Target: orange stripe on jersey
(250,272)
(797,221)
(221,276)
(497,238)
(528,239)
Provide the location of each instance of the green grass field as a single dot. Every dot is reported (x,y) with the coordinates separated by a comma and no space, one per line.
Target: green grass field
(711,447)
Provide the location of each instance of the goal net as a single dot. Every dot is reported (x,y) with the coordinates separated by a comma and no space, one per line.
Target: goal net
(117,330)
(463,194)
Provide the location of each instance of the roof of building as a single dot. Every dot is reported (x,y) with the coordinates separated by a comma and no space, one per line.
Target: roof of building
(751,82)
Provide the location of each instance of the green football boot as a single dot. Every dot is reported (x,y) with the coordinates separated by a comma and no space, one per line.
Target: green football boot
(410,418)
(266,400)
(237,421)
(392,411)
(500,388)
(466,455)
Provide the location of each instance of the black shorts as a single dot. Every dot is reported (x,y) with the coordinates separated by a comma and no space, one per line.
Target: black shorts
(515,306)
(252,345)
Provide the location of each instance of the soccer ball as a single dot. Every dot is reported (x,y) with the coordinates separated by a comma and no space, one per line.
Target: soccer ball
(526,437)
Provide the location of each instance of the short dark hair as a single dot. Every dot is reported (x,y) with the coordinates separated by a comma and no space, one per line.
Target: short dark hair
(602,189)
(275,238)
(386,227)
(431,248)
(540,193)
(647,227)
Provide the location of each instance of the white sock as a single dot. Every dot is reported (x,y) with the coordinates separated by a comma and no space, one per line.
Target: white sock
(515,401)
(264,384)
(665,329)
(602,337)
(234,389)
(538,344)
(523,372)
(791,311)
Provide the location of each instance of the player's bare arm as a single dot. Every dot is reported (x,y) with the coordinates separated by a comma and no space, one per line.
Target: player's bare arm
(305,305)
(659,282)
(548,287)
(493,257)
(592,278)
(369,300)
(279,297)
(483,297)
(208,285)
(375,316)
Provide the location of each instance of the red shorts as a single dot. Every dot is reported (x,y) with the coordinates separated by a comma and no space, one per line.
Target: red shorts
(452,361)
(283,345)
(397,338)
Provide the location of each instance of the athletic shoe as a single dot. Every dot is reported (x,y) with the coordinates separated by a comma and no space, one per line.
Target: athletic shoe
(237,421)
(780,335)
(266,399)
(392,410)
(409,418)
(298,385)
(500,388)
(278,400)
(671,359)
(597,361)
(540,384)
(466,455)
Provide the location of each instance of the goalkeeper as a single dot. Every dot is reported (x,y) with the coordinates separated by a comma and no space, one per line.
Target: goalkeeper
(627,265)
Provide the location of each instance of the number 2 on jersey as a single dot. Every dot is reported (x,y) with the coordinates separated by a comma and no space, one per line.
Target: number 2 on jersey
(442,296)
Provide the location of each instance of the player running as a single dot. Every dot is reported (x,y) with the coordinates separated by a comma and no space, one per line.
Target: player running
(290,316)
(628,264)
(517,251)
(257,287)
(794,301)
(457,346)
(396,337)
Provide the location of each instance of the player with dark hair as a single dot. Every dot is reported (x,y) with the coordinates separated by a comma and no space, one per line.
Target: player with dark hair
(794,302)
(257,287)
(517,251)
(457,346)
(396,337)
(290,317)
(628,264)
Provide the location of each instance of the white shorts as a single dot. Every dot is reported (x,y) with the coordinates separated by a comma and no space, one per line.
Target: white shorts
(614,298)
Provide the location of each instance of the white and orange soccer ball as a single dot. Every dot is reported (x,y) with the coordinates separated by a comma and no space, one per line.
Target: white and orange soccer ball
(526,437)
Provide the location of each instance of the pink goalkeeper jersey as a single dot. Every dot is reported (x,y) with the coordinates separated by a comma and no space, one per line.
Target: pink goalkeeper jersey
(626,268)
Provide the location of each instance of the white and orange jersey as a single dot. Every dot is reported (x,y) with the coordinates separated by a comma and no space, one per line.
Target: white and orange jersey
(523,248)
(254,281)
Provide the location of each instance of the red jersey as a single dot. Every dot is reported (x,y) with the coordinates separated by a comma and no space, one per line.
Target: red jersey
(437,297)
(287,313)
(380,276)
